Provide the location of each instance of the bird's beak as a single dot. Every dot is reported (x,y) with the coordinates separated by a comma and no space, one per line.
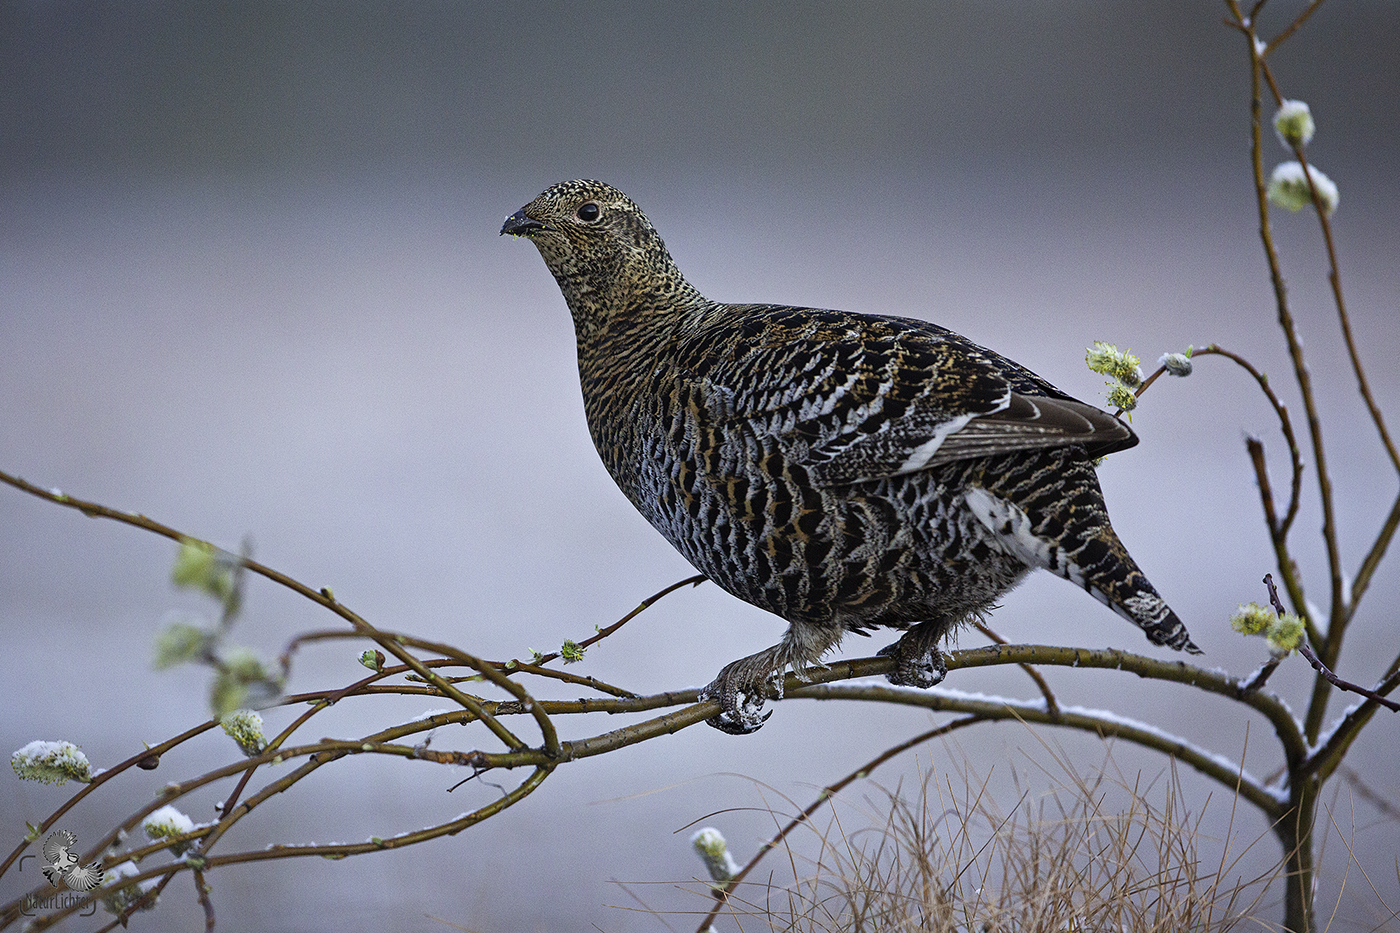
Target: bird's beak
(519,224)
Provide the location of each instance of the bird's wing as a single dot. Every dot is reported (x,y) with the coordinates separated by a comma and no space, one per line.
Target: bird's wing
(57,843)
(85,878)
(853,397)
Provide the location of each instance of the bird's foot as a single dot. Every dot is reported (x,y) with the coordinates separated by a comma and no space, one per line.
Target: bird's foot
(741,689)
(918,662)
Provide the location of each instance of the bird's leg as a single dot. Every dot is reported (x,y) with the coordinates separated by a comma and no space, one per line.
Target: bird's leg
(918,662)
(744,685)
(741,689)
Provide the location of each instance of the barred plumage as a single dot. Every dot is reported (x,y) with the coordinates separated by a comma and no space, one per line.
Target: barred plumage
(843,471)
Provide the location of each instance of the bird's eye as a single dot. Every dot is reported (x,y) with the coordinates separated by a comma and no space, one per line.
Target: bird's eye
(588,212)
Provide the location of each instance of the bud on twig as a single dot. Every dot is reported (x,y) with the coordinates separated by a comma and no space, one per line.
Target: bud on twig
(1294,123)
(1288,188)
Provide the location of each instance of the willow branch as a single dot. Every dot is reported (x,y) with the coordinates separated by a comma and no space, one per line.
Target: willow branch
(1318,703)
(1050,702)
(107,775)
(1333,747)
(1291,28)
(1344,604)
(602,633)
(1098,722)
(324,597)
(547,673)
(335,850)
(1280,528)
(1373,557)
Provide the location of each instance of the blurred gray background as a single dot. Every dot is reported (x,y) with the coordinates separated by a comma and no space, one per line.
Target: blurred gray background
(250,285)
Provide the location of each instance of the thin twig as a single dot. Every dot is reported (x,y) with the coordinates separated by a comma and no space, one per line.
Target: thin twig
(1050,702)
(1306,651)
(107,775)
(1290,29)
(1219,769)
(1261,674)
(202,887)
(1332,646)
(1285,424)
(604,632)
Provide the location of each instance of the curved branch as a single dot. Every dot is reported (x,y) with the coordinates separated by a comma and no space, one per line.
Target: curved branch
(1333,746)
(334,851)
(323,597)
(1100,722)
(1051,703)
(1286,726)
(1285,427)
(1258,71)
(602,633)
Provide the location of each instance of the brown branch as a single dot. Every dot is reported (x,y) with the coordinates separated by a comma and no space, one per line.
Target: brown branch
(147,899)
(107,775)
(1331,648)
(497,677)
(602,633)
(1261,674)
(323,597)
(1373,557)
(1285,424)
(1343,607)
(1306,651)
(999,709)
(1258,72)
(1333,748)
(580,680)
(202,889)
(1290,28)
(1278,528)
(1050,702)
(567,677)
(326,851)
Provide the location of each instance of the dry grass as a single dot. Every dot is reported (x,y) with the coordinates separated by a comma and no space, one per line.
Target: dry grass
(1092,853)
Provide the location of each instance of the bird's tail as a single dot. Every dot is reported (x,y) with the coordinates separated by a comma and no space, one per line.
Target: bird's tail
(1105,569)
(1050,513)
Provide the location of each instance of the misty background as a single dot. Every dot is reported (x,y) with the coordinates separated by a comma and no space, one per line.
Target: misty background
(251,286)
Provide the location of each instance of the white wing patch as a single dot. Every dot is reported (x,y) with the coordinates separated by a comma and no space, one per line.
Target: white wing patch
(922,454)
(925,451)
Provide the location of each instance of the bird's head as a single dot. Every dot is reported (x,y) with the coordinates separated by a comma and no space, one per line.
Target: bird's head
(606,256)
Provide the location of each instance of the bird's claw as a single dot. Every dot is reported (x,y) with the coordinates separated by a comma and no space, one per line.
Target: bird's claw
(916,664)
(741,701)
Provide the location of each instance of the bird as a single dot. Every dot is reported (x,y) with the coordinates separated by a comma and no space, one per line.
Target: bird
(844,471)
(64,865)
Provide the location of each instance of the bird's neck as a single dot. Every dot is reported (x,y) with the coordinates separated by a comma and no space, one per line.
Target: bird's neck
(627,317)
(624,341)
